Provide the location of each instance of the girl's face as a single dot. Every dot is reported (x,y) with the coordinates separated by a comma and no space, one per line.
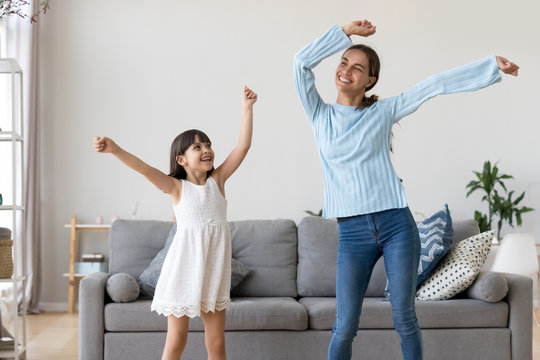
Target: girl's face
(352,73)
(198,157)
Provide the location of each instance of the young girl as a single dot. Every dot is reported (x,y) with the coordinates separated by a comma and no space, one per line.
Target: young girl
(361,187)
(196,274)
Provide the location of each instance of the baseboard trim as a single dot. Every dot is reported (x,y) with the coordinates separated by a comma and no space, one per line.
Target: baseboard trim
(57,307)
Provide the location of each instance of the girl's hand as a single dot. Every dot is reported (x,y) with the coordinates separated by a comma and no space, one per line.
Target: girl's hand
(104,144)
(360,28)
(506,66)
(249,97)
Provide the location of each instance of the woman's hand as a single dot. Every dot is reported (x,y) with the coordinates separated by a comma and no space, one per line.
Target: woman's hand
(249,97)
(104,144)
(360,28)
(506,66)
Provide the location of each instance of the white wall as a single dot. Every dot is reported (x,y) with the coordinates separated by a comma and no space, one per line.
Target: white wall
(141,72)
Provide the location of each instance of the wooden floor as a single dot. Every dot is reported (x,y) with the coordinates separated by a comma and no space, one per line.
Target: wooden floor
(54,336)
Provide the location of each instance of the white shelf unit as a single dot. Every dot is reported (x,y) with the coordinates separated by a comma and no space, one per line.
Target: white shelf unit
(11,81)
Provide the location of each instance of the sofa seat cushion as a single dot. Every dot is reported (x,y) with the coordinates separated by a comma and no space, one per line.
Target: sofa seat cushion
(377,313)
(254,313)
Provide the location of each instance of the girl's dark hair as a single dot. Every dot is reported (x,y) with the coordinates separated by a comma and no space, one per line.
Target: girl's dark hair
(179,146)
(374,69)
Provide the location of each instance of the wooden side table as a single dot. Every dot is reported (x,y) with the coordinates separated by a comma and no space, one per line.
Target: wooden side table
(73,277)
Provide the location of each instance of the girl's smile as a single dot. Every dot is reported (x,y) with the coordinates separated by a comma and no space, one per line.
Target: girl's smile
(199,154)
(199,157)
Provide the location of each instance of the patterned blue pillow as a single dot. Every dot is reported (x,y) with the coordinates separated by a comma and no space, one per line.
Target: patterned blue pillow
(436,237)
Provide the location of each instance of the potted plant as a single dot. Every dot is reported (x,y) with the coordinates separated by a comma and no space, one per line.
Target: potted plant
(501,204)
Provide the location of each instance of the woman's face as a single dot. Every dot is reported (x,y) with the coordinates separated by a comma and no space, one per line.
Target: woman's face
(352,73)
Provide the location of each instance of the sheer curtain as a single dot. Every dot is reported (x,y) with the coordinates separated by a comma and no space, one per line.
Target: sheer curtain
(22,44)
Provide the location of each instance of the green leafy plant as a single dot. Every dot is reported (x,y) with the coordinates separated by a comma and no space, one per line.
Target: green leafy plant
(314,214)
(500,203)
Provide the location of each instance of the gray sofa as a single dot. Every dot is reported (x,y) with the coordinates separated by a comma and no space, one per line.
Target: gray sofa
(285,308)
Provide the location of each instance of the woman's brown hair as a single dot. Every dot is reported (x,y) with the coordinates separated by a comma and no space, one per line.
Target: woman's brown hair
(374,70)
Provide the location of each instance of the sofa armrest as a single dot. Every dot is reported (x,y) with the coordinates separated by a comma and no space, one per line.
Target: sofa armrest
(519,299)
(91,310)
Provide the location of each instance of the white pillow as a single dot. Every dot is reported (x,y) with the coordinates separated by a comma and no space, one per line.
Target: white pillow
(458,269)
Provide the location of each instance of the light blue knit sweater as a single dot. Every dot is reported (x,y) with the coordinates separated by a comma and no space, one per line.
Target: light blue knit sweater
(354,144)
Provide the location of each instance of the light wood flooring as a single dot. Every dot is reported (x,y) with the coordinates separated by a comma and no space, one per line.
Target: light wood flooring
(54,335)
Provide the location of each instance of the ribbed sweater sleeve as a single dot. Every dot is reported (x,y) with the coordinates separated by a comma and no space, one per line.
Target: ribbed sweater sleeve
(469,77)
(353,144)
(310,56)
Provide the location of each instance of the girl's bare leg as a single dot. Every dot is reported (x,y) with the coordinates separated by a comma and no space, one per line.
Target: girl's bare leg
(214,334)
(177,332)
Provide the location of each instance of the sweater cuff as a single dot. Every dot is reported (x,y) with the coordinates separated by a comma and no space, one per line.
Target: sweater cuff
(343,37)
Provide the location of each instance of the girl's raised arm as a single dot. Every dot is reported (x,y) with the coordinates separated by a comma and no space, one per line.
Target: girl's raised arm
(235,158)
(156,177)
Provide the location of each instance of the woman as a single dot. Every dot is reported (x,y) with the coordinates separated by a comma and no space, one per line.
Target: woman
(361,187)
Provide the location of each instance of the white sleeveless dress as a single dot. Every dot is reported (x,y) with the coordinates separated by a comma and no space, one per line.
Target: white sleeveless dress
(196,273)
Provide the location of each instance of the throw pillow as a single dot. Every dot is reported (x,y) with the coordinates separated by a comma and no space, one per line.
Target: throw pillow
(238,272)
(458,269)
(149,277)
(489,286)
(436,240)
(122,288)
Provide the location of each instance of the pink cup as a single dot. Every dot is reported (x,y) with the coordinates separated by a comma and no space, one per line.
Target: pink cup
(99,220)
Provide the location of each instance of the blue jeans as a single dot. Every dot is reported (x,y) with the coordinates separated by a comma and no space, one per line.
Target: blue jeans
(362,241)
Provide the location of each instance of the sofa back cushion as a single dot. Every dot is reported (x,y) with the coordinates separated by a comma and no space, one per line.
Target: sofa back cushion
(269,248)
(317,260)
(464,229)
(317,256)
(266,246)
(134,243)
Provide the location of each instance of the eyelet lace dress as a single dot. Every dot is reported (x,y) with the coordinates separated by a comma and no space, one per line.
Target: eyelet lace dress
(196,273)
